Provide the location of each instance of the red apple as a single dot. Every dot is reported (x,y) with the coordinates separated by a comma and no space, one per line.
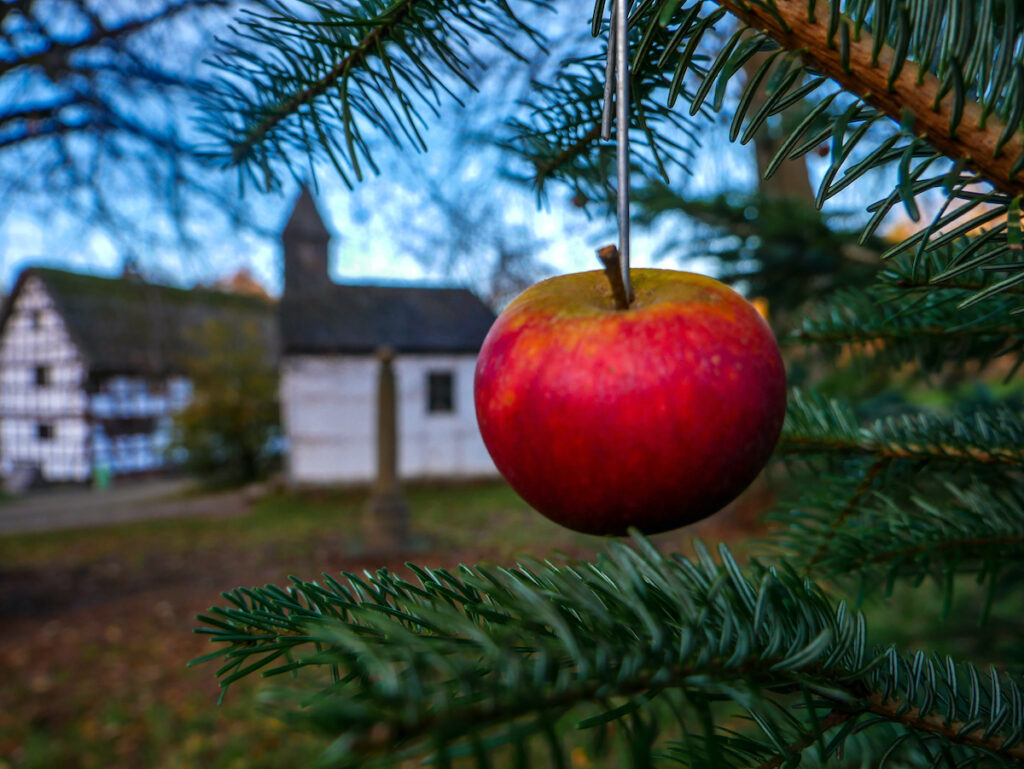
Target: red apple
(653,416)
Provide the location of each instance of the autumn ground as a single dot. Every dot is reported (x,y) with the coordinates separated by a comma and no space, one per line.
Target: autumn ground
(96,624)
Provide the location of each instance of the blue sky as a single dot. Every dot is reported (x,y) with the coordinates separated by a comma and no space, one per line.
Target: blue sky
(380,225)
(371,239)
(365,244)
(375,223)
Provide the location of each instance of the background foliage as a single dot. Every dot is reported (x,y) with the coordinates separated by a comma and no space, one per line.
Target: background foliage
(230,431)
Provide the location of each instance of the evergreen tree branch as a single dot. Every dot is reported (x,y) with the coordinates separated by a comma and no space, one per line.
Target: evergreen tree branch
(802,444)
(967,285)
(965,86)
(848,335)
(956,732)
(381,28)
(875,72)
(958,264)
(925,310)
(561,136)
(991,438)
(422,666)
(911,530)
(971,546)
(546,167)
(795,748)
(314,85)
(851,506)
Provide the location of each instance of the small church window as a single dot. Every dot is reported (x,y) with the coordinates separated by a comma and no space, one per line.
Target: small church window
(42,376)
(44,431)
(440,399)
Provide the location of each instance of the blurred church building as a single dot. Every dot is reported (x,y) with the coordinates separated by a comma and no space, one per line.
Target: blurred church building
(92,368)
(329,336)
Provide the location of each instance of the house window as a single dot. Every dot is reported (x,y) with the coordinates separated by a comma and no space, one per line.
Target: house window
(41,376)
(440,398)
(44,431)
(35,320)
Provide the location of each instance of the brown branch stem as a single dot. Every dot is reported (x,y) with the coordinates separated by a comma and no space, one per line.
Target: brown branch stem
(851,505)
(914,284)
(937,724)
(1008,455)
(913,91)
(855,336)
(796,747)
(609,256)
(543,168)
(384,736)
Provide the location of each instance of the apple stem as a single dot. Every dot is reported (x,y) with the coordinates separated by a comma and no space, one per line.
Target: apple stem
(609,256)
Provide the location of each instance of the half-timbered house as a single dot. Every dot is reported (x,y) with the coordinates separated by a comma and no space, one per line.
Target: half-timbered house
(329,335)
(92,369)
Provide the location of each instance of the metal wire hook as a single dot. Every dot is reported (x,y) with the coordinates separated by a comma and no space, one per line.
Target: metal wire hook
(618,68)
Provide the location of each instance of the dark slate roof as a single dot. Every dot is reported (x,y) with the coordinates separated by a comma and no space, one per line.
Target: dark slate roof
(128,326)
(305,222)
(361,318)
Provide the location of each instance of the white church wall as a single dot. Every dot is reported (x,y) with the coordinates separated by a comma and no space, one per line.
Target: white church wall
(439,444)
(329,415)
(327,411)
(42,400)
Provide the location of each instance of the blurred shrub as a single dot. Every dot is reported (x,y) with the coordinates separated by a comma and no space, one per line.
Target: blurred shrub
(230,432)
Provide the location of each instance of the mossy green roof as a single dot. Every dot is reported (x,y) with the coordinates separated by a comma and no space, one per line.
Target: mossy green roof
(127,325)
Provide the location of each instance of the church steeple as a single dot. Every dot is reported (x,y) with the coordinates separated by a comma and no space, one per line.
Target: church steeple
(305,239)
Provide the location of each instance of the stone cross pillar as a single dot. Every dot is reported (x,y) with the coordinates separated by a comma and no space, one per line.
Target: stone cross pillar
(386,523)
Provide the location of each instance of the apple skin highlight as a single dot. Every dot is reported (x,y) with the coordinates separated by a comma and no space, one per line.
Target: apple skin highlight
(652,417)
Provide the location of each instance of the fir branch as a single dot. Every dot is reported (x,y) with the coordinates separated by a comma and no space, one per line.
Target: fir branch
(994,437)
(969,286)
(881,77)
(961,265)
(313,85)
(909,531)
(846,334)
(931,72)
(561,136)
(795,748)
(957,732)
(972,546)
(272,115)
(544,168)
(851,506)
(924,310)
(440,658)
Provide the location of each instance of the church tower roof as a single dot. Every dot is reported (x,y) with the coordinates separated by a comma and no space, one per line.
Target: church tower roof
(305,222)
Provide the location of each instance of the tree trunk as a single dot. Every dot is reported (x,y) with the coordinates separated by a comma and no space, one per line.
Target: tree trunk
(791,180)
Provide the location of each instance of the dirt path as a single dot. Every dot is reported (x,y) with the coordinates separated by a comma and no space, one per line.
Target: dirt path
(139,500)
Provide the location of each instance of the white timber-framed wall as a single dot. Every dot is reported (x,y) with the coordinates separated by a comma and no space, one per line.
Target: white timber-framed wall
(43,401)
(59,420)
(329,413)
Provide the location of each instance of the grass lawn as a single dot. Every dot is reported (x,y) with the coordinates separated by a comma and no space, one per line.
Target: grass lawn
(96,623)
